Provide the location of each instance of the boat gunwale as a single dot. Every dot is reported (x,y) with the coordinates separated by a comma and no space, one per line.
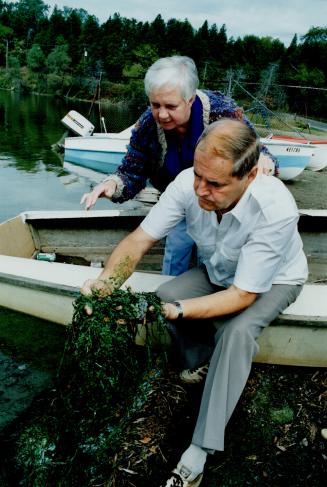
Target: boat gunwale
(39,285)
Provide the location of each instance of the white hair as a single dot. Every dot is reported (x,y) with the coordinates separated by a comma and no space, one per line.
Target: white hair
(175,71)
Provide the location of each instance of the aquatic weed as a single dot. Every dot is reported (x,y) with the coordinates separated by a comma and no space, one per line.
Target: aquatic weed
(104,381)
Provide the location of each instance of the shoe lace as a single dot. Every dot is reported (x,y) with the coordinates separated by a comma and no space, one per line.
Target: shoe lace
(199,369)
(177,481)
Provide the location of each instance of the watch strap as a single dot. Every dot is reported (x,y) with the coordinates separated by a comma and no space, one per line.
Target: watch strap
(179,309)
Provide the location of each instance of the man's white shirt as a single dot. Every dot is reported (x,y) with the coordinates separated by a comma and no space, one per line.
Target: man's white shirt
(255,245)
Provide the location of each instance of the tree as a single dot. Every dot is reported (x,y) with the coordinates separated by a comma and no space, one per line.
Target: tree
(35,58)
(5,34)
(157,34)
(74,26)
(180,37)
(315,35)
(29,13)
(58,61)
(51,30)
(313,51)
(145,55)
(90,41)
(113,46)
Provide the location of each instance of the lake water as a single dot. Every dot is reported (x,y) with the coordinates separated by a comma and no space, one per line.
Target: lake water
(32,176)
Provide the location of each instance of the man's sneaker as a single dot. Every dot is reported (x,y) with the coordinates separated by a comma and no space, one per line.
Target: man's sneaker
(180,476)
(194,376)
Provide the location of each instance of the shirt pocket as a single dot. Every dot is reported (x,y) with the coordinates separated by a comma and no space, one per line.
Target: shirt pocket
(206,251)
(206,245)
(229,259)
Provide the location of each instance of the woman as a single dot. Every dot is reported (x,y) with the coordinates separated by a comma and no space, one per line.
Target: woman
(163,141)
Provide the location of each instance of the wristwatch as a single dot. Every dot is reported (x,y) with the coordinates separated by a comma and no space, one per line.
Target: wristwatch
(179,309)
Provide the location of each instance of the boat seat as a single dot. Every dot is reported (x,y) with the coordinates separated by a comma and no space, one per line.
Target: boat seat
(310,306)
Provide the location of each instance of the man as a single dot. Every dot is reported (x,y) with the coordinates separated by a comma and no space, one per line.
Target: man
(245,229)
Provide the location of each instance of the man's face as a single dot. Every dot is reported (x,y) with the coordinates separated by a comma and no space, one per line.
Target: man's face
(169,109)
(215,187)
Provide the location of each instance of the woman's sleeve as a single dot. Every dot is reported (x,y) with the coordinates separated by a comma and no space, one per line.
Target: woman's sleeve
(135,168)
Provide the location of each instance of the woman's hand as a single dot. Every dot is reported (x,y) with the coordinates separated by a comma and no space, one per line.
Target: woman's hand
(266,165)
(102,190)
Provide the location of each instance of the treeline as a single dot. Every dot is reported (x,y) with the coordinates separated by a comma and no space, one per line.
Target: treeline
(68,51)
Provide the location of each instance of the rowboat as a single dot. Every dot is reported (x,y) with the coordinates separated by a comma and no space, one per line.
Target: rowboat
(104,152)
(79,241)
(319,156)
(82,240)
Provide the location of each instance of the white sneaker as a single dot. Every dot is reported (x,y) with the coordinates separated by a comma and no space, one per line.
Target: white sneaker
(180,478)
(194,376)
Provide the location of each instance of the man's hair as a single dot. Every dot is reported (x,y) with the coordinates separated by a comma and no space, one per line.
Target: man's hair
(231,140)
(176,72)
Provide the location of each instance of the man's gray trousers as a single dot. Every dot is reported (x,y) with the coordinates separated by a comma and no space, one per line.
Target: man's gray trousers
(229,343)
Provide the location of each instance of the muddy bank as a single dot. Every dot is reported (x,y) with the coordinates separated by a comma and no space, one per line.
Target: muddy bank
(310,189)
(31,350)
(19,385)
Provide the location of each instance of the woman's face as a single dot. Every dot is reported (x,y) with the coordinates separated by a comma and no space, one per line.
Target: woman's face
(169,109)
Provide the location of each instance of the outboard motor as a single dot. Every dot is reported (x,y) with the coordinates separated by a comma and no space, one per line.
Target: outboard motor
(78,124)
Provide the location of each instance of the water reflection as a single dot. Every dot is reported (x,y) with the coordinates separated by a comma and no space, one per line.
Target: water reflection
(32,176)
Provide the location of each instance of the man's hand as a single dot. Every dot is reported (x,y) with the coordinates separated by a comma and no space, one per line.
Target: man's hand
(102,190)
(170,311)
(95,285)
(91,285)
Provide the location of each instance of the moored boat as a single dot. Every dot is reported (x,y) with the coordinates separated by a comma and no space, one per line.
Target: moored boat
(80,242)
(104,152)
(319,156)
(100,152)
(293,157)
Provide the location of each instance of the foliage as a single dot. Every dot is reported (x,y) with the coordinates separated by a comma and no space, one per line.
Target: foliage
(59,60)
(58,83)
(110,332)
(122,49)
(35,58)
(315,35)
(105,380)
(36,451)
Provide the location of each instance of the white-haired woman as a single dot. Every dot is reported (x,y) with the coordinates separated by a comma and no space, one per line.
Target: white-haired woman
(163,141)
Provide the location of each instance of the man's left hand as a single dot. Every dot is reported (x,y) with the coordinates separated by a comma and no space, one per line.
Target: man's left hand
(170,311)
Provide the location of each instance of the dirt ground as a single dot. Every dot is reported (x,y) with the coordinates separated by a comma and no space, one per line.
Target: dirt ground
(310,189)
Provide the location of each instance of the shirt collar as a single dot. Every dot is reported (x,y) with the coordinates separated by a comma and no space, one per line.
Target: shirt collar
(240,209)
